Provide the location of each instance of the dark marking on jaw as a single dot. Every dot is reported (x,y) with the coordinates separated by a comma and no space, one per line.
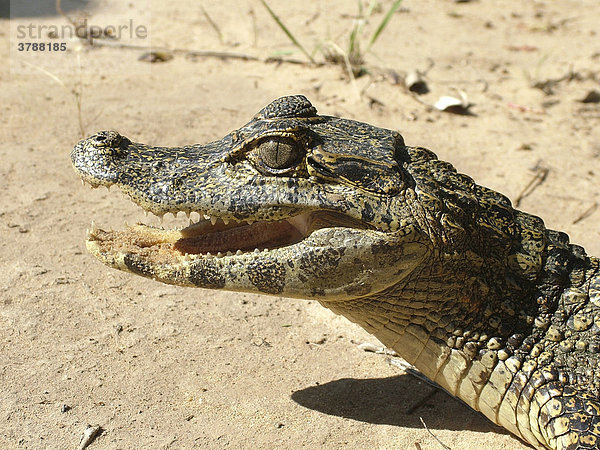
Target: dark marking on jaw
(267,276)
(137,265)
(367,213)
(320,263)
(240,206)
(386,254)
(205,274)
(383,248)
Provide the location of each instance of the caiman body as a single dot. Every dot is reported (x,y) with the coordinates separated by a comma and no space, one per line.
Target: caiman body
(482,298)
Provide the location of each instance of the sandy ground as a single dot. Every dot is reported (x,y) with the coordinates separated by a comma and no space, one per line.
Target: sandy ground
(163,367)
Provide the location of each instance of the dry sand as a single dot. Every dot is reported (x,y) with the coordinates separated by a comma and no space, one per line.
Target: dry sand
(158,366)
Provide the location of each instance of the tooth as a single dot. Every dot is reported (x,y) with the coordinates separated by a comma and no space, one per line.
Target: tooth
(239,252)
(219,255)
(82,183)
(208,254)
(228,254)
(206,217)
(145,213)
(213,220)
(256,250)
(225,220)
(194,217)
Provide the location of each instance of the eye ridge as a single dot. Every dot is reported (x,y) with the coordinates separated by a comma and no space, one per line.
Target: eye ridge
(279,153)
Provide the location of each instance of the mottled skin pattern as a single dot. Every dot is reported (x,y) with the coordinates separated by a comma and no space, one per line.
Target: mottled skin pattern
(480,297)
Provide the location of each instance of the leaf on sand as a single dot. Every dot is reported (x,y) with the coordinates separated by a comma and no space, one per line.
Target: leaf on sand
(415,82)
(453,104)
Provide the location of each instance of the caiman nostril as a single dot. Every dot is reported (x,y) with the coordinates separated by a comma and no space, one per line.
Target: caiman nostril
(108,139)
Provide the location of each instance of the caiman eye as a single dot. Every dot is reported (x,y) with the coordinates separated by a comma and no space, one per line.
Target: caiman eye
(276,155)
(279,153)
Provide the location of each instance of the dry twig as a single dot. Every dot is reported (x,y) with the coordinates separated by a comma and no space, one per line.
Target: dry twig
(444,446)
(539,176)
(587,213)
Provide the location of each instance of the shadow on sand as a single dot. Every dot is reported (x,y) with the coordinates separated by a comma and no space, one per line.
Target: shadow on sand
(399,400)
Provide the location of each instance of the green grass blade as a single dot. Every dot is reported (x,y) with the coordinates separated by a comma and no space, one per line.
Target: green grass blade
(352,40)
(384,23)
(287,32)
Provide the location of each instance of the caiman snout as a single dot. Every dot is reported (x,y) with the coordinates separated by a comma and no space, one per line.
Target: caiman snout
(100,154)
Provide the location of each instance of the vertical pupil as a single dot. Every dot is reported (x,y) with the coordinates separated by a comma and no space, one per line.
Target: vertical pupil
(278,154)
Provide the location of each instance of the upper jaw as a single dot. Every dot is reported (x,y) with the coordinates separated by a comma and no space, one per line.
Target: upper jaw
(196,179)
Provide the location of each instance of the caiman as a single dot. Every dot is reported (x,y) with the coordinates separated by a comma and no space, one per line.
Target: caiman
(480,297)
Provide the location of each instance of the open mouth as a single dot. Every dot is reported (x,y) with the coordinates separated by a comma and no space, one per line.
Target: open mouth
(216,236)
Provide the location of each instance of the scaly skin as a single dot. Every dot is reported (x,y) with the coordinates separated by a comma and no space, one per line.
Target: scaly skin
(480,297)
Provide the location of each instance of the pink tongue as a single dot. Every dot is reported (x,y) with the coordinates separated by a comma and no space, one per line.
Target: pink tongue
(259,235)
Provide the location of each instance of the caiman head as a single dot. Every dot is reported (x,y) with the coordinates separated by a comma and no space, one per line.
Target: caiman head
(296,204)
